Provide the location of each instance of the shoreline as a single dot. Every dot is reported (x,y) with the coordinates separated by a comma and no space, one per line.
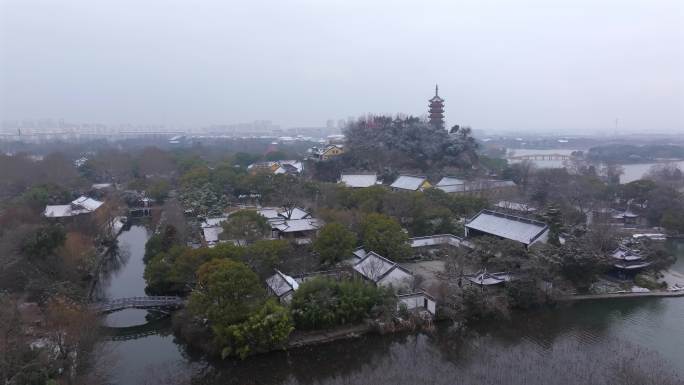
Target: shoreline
(581,297)
(311,338)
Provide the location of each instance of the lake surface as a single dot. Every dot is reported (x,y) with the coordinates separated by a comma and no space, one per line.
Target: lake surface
(529,345)
(631,172)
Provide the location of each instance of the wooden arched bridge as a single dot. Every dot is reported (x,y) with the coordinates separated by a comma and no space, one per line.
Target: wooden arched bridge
(150,302)
(541,157)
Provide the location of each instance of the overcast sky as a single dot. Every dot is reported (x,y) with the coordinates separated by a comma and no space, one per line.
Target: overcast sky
(556,65)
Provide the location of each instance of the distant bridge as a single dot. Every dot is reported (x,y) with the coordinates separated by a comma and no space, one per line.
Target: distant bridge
(542,157)
(150,302)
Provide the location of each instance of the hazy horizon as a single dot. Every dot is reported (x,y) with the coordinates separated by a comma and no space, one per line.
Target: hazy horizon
(533,66)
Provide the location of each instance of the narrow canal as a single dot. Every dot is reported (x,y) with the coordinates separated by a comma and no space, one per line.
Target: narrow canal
(144,343)
(651,326)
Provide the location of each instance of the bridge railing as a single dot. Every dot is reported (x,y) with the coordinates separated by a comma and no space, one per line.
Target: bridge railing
(144,298)
(122,303)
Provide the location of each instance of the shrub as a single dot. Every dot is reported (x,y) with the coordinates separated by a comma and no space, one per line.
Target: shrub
(323,303)
(266,329)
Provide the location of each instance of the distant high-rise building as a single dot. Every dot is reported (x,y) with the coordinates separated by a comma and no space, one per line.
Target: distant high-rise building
(436,110)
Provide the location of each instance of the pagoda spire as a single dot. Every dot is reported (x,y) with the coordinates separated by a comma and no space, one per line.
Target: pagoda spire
(436,109)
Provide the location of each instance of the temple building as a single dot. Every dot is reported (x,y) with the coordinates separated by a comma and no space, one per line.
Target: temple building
(436,110)
(501,225)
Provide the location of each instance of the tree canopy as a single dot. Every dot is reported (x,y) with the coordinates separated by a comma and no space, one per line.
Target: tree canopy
(245,225)
(226,293)
(322,303)
(230,296)
(408,142)
(385,236)
(334,243)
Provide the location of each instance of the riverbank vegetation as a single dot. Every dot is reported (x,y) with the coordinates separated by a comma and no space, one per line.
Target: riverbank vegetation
(230,298)
(322,303)
(47,268)
(230,313)
(174,270)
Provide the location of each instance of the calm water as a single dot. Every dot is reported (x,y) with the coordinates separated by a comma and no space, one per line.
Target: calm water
(631,172)
(533,338)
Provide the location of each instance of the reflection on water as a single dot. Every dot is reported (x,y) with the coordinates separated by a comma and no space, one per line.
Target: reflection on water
(123,277)
(445,358)
(541,339)
(127,317)
(631,172)
(127,280)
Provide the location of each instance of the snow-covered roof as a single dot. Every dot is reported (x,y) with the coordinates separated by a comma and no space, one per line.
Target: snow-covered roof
(211,229)
(281,284)
(57,211)
(261,165)
(486,279)
(80,205)
(625,214)
(86,203)
(284,166)
(449,180)
(359,252)
(359,180)
(281,213)
(408,182)
(292,163)
(100,186)
(294,225)
(523,207)
(453,188)
(478,185)
(375,267)
(213,222)
(436,240)
(269,212)
(652,236)
(507,226)
(286,169)
(328,147)
(211,234)
(625,254)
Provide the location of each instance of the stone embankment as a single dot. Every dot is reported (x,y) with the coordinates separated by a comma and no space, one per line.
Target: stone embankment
(678,293)
(299,339)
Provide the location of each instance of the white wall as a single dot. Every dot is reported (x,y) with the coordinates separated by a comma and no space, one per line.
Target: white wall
(417,302)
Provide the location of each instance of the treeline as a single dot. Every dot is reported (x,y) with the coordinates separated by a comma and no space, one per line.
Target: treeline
(582,188)
(628,153)
(389,145)
(408,142)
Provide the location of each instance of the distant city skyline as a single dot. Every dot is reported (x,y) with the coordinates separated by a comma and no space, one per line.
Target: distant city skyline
(565,66)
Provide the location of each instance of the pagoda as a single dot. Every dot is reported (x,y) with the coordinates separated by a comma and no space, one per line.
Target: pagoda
(436,110)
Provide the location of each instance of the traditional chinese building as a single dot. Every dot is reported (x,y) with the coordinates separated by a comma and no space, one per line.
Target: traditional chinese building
(436,110)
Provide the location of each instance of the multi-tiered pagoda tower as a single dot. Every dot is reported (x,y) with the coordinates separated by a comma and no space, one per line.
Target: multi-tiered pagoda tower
(437,110)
